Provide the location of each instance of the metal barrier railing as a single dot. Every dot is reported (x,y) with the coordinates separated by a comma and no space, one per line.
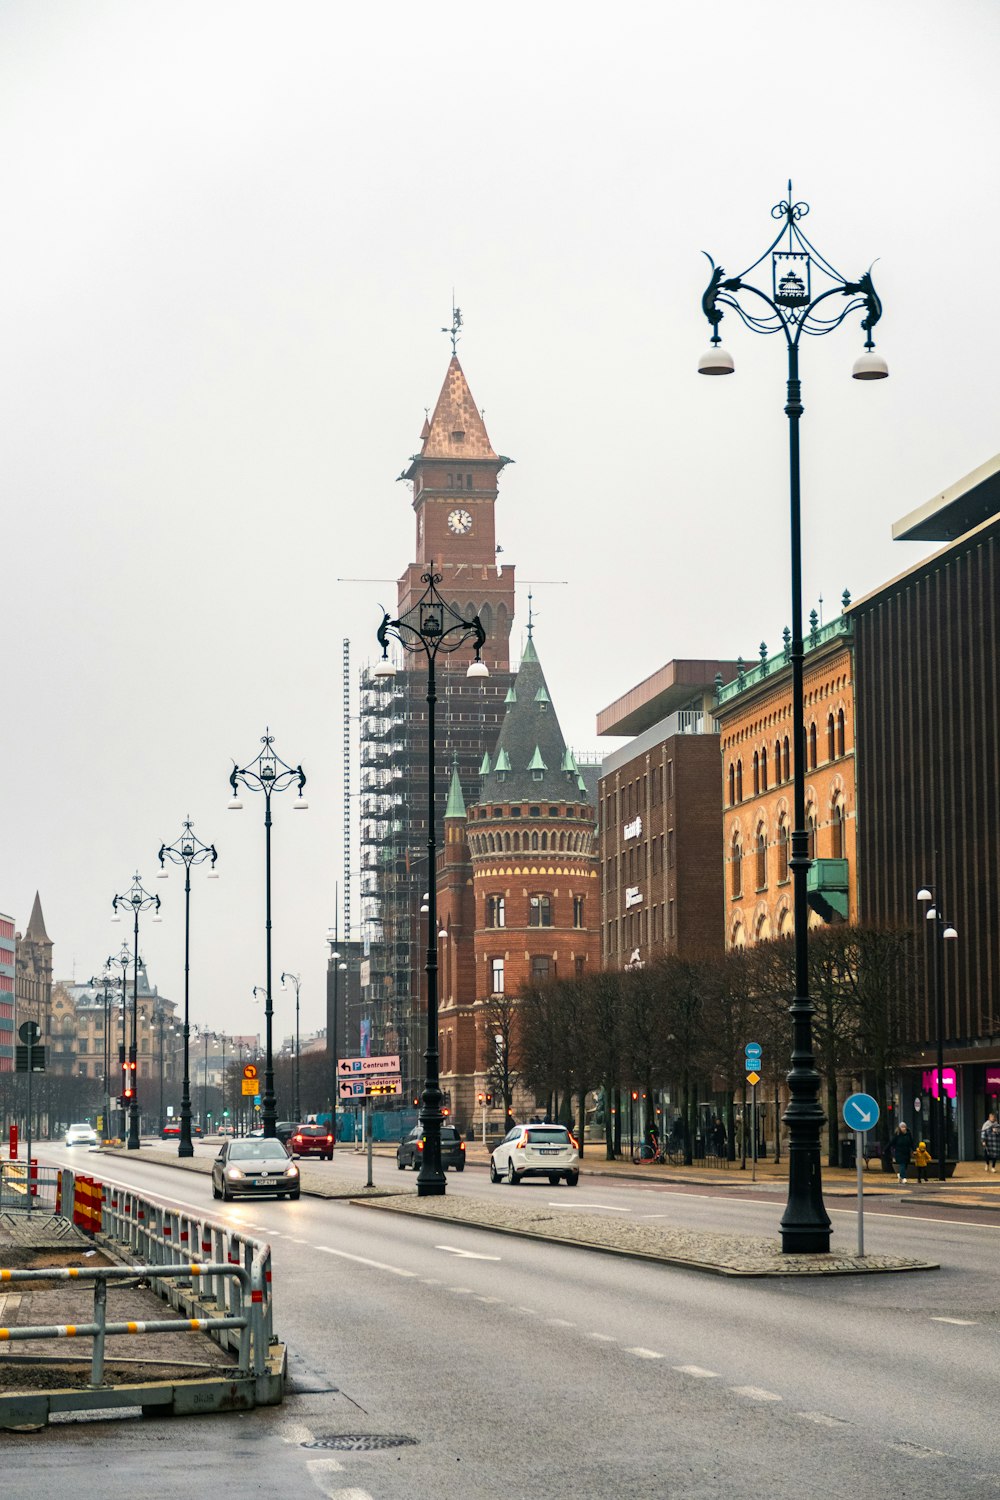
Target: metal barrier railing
(22,1191)
(241,1320)
(160,1236)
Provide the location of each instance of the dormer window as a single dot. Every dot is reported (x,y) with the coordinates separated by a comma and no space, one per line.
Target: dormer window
(501,776)
(458,437)
(538,775)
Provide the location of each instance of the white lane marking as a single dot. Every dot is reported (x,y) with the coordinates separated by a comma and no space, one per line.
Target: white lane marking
(531,1311)
(641,1353)
(560,1323)
(466,1254)
(653,1216)
(917,1450)
(959,1322)
(603,1338)
(300,1242)
(611,1207)
(822,1418)
(319,1471)
(487,1299)
(429,1281)
(754,1393)
(697,1371)
(377,1265)
(461,1291)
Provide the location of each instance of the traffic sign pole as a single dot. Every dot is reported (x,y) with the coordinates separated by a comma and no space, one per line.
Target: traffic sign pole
(861,1113)
(860,1158)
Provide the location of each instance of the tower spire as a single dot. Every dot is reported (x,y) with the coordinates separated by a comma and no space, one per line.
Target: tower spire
(454,332)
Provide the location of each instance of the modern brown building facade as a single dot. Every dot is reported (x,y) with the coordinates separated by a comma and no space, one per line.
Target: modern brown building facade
(661,817)
(927,650)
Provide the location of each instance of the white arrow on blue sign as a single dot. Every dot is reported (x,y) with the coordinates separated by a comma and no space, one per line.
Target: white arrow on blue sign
(861,1112)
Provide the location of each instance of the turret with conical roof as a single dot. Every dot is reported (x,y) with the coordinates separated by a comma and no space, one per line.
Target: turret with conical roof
(35,929)
(532,760)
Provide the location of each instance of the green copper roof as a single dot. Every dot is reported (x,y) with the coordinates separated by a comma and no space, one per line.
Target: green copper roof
(503,761)
(511,695)
(529,653)
(456,802)
(484,766)
(542,696)
(536,763)
(531,761)
(569,764)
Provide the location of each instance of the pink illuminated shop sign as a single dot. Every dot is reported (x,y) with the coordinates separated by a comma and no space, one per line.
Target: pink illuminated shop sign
(993,1080)
(929,1083)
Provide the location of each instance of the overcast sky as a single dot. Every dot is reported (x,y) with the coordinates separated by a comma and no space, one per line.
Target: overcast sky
(230,233)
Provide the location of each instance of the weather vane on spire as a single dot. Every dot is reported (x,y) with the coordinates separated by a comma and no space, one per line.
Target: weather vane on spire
(531,614)
(456,324)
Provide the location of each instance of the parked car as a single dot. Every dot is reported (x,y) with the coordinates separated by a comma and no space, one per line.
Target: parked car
(536,1151)
(285,1129)
(80,1135)
(312,1140)
(253,1168)
(409,1152)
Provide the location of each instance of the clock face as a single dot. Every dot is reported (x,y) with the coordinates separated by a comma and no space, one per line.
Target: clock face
(460,522)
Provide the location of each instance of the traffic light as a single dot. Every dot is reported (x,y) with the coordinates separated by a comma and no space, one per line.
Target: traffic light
(489,1098)
(416,1101)
(481,1098)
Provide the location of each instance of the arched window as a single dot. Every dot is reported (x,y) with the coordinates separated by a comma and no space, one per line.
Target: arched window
(812,746)
(517,840)
(493,843)
(811,830)
(534,841)
(782,848)
(777,762)
(787,760)
(739,780)
(761,854)
(732,783)
(736,866)
(841,733)
(539,911)
(545,840)
(763,769)
(837,830)
(739,937)
(756,774)
(831,742)
(763,929)
(506,842)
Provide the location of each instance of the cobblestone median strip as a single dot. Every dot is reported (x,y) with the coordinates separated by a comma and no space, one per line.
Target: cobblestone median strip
(697,1250)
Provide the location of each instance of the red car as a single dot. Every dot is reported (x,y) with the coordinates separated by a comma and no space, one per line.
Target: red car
(312,1140)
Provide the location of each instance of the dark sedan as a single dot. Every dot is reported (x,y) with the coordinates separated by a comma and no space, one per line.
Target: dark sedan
(410,1151)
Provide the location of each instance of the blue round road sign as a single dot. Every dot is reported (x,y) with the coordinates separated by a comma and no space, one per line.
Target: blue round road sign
(861,1112)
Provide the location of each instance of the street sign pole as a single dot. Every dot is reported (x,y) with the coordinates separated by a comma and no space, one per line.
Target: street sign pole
(370,1133)
(859,1155)
(753,1114)
(861,1113)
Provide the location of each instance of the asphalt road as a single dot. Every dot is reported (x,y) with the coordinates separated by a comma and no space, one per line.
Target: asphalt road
(518,1369)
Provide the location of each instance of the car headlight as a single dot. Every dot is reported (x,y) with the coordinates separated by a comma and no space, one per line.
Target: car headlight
(292,1171)
(233,1173)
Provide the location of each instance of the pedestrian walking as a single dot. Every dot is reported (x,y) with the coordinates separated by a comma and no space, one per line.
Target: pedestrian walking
(990,1137)
(719,1137)
(902,1150)
(921,1160)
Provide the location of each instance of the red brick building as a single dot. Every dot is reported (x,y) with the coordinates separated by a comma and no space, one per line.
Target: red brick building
(661,817)
(518,886)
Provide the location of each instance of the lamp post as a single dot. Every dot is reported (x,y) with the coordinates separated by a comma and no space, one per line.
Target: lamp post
(139,900)
(943,932)
(793,307)
(187,851)
(124,958)
(433,627)
(107,984)
(296,980)
(160,1018)
(267,774)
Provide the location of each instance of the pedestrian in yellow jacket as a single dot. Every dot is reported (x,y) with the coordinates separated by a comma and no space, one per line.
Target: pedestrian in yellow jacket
(921,1160)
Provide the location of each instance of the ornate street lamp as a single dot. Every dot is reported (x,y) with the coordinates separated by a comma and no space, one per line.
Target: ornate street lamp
(107,983)
(433,627)
(296,980)
(187,851)
(267,774)
(124,958)
(138,900)
(943,932)
(792,306)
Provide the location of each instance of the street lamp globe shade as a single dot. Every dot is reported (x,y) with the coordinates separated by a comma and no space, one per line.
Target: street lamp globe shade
(163,874)
(116,918)
(212,875)
(477,669)
(424,908)
(442,933)
(384,668)
(950,932)
(234,805)
(716,361)
(157,919)
(870,366)
(300,805)
(924,894)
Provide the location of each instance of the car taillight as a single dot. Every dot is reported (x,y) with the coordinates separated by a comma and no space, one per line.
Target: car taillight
(420,1145)
(573,1140)
(521,1144)
(329,1137)
(461,1145)
(299,1139)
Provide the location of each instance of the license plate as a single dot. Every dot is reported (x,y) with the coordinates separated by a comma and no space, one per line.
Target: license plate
(260,1182)
(549,1150)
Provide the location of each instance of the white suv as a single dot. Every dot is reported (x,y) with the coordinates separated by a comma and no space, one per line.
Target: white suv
(80,1135)
(536,1151)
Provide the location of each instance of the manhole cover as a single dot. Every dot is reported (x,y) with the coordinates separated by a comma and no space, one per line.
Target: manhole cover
(361,1442)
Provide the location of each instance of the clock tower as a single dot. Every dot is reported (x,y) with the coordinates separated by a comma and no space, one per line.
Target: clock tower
(454,478)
